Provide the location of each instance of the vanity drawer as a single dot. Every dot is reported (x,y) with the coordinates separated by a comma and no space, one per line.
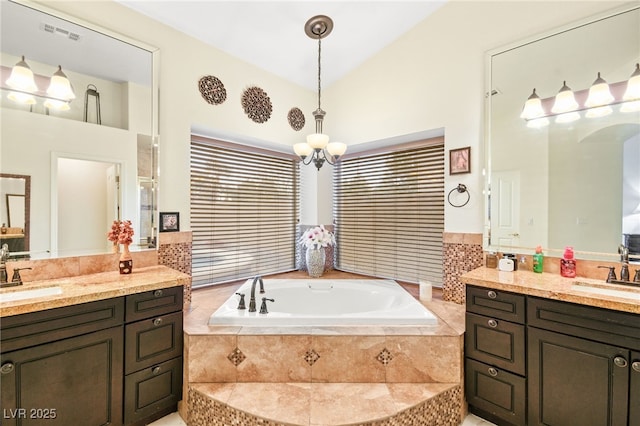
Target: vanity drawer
(496,303)
(495,341)
(153,303)
(153,340)
(153,390)
(602,325)
(498,393)
(35,328)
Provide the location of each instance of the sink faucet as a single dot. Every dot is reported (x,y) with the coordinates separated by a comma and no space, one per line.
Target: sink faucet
(252,301)
(4,254)
(624,259)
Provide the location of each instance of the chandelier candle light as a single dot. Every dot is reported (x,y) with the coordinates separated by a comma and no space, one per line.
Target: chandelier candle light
(317,147)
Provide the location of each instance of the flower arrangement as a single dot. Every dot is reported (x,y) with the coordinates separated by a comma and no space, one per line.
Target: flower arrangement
(317,237)
(121,232)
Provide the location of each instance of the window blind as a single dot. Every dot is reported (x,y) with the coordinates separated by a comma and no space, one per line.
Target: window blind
(389,211)
(244,211)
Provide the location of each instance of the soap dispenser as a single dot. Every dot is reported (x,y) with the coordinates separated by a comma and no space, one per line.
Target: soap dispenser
(568,263)
(538,258)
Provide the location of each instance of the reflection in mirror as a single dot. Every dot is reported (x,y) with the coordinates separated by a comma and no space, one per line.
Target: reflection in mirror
(96,183)
(15,193)
(564,184)
(116,76)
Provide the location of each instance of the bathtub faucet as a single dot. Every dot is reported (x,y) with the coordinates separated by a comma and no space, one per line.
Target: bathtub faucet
(252,301)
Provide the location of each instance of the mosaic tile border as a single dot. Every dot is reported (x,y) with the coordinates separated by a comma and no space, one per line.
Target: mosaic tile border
(176,254)
(461,253)
(443,409)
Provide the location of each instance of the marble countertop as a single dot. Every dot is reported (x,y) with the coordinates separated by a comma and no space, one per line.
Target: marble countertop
(92,287)
(579,290)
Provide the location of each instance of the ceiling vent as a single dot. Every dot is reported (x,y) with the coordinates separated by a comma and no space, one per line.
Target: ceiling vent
(52,29)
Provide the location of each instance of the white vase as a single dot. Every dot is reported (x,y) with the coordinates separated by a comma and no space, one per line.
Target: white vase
(315,258)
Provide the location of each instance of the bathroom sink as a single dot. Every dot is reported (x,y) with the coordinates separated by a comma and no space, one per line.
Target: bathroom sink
(12,296)
(607,290)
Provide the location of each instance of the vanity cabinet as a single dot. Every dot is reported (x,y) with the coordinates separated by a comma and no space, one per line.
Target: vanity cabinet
(581,363)
(110,362)
(495,365)
(63,366)
(153,355)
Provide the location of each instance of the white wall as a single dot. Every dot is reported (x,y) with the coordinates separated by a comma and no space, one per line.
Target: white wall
(432,77)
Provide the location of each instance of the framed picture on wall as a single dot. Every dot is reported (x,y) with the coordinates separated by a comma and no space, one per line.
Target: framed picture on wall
(460,161)
(169,222)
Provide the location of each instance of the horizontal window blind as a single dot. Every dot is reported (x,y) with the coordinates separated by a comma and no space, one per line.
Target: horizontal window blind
(244,212)
(389,211)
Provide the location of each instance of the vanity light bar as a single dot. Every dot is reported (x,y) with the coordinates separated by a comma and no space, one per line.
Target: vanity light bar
(22,96)
(617,90)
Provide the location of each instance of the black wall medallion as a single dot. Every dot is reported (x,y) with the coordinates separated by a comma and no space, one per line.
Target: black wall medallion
(296,118)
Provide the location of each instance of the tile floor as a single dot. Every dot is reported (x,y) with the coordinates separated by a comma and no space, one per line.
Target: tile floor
(174,419)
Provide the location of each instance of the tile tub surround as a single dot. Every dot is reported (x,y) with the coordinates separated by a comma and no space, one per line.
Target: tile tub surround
(461,253)
(375,357)
(174,251)
(550,286)
(92,287)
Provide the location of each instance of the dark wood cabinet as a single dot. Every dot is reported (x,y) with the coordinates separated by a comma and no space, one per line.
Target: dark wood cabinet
(111,362)
(495,383)
(64,366)
(153,354)
(576,381)
(581,363)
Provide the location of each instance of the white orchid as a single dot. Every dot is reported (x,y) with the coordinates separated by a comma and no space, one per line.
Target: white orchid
(317,237)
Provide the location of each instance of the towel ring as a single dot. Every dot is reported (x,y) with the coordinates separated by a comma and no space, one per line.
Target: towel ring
(461,188)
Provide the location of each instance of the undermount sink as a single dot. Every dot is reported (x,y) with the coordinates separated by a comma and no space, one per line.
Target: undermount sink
(13,295)
(607,290)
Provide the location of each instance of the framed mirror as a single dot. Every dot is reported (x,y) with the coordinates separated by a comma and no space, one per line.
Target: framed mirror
(99,146)
(15,200)
(571,183)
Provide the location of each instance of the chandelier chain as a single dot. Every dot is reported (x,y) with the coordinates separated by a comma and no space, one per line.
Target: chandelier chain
(319,66)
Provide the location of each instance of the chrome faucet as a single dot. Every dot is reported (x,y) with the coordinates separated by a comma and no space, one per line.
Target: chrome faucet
(252,300)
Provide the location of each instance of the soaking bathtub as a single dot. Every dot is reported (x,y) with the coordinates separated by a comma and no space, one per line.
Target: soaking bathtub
(319,302)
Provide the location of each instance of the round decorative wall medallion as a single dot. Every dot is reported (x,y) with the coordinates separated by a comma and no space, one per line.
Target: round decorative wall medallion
(296,119)
(256,104)
(212,90)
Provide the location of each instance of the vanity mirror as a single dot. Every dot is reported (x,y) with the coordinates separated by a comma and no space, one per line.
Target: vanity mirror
(95,159)
(564,184)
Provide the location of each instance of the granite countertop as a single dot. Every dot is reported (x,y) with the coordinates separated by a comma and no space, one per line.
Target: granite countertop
(579,290)
(92,287)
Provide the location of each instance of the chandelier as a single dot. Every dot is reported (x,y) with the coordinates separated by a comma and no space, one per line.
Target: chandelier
(317,148)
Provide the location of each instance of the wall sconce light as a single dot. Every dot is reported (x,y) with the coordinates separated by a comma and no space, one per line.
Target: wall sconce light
(317,148)
(22,77)
(598,101)
(60,87)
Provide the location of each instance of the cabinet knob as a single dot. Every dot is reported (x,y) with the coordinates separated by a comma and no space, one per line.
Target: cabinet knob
(492,323)
(620,361)
(6,368)
(157,321)
(158,293)
(493,372)
(492,294)
(636,366)
(155,370)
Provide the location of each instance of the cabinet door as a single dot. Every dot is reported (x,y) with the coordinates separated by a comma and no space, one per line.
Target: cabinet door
(495,342)
(573,381)
(634,390)
(75,381)
(151,341)
(152,391)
